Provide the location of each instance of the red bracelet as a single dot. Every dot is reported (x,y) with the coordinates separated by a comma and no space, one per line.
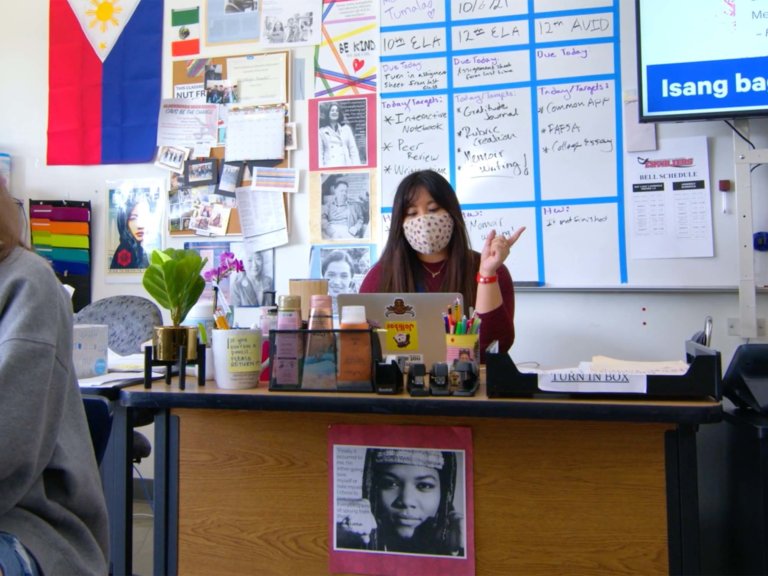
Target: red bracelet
(486,279)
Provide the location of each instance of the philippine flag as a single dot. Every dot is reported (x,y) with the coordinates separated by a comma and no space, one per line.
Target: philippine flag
(104,76)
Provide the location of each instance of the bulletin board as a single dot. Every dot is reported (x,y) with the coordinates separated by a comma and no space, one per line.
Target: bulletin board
(189,82)
(189,75)
(523,107)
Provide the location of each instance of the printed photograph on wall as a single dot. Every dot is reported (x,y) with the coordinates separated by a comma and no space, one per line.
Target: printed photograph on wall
(197,209)
(172,158)
(135,220)
(291,136)
(342,132)
(231,177)
(211,219)
(294,23)
(221,92)
(230,21)
(345,207)
(212,251)
(401,500)
(247,288)
(201,171)
(343,266)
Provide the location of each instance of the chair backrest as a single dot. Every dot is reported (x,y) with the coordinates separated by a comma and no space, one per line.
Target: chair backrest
(130,320)
(98,411)
(704,337)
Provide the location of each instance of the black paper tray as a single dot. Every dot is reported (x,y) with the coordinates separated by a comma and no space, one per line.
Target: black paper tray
(703,379)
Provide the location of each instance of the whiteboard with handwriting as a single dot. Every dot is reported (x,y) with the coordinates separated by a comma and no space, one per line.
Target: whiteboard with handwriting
(518,103)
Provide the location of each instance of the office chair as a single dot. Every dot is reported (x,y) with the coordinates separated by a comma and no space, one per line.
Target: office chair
(131,320)
(704,336)
(98,412)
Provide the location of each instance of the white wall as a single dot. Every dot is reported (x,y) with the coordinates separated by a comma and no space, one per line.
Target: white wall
(554,328)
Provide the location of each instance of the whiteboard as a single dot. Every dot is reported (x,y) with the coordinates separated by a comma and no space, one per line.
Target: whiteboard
(524,113)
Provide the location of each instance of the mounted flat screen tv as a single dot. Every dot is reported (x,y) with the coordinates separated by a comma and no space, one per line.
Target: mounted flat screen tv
(702,59)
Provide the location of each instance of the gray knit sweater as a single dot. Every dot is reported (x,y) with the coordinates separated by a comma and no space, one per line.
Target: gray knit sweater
(51,496)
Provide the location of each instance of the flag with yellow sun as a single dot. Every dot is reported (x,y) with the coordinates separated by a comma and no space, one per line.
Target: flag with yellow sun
(104,80)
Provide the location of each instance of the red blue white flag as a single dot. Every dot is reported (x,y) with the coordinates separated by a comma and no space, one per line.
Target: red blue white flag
(104,74)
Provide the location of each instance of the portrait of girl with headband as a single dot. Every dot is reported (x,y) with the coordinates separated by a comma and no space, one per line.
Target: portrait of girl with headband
(407,506)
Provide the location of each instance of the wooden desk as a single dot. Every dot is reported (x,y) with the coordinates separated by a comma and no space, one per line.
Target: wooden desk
(561,486)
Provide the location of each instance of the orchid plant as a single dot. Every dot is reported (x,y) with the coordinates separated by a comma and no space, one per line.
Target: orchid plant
(227,265)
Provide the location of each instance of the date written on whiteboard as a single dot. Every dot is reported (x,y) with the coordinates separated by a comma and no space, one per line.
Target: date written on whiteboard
(486,7)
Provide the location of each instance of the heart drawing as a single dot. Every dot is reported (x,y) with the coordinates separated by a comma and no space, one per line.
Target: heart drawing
(357,64)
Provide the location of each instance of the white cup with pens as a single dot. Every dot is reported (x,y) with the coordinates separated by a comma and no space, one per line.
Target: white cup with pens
(236,357)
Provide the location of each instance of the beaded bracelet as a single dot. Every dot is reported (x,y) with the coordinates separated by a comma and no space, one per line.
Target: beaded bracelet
(486,279)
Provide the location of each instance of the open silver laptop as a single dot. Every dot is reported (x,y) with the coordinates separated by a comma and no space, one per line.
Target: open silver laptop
(414,324)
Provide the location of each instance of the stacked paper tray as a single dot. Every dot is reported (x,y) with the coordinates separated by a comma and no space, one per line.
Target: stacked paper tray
(702,379)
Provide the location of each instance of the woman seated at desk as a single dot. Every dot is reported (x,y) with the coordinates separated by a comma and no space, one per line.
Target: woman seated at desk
(428,251)
(53,517)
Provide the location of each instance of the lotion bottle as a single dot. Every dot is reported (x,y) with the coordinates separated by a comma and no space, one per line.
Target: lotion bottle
(287,353)
(355,353)
(320,318)
(319,368)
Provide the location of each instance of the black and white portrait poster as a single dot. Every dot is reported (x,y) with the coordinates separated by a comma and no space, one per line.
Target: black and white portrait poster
(401,500)
(342,132)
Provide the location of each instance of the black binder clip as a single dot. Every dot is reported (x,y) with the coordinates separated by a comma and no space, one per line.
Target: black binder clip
(468,381)
(439,380)
(417,380)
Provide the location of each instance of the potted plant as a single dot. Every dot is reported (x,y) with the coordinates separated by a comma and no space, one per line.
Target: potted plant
(173,279)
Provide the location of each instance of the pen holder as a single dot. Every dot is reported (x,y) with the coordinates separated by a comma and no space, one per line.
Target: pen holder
(464,347)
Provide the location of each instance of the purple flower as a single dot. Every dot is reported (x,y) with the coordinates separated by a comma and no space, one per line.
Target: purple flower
(210,274)
(227,264)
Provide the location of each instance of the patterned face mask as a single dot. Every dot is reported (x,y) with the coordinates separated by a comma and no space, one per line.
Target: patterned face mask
(429,233)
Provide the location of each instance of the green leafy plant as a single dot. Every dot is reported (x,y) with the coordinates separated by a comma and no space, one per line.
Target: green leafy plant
(173,279)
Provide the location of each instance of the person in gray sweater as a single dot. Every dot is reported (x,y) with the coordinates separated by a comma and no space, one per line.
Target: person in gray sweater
(53,518)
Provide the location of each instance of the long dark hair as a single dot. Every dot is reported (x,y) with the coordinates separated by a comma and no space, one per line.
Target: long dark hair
(127,240)
(325,117)
(399,265)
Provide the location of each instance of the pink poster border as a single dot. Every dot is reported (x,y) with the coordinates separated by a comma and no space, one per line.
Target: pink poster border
(383,563)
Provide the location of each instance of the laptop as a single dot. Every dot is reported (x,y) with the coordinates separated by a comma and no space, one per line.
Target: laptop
(413,324)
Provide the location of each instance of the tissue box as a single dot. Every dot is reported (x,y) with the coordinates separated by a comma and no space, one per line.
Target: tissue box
(89,349)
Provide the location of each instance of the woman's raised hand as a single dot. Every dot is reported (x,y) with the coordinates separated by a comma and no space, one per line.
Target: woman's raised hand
(495,251)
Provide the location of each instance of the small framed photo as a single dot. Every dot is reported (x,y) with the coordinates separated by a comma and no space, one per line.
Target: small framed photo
(201,171)
(290,136)
(172,158)
(231,176)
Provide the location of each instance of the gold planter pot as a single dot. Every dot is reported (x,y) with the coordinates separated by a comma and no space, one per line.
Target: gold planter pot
(166,341)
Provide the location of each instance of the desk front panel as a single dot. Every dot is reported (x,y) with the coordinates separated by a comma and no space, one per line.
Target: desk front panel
(551,497)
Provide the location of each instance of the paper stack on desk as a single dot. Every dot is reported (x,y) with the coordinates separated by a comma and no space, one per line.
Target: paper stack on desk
(115,379)
(123,371)
(607,375)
